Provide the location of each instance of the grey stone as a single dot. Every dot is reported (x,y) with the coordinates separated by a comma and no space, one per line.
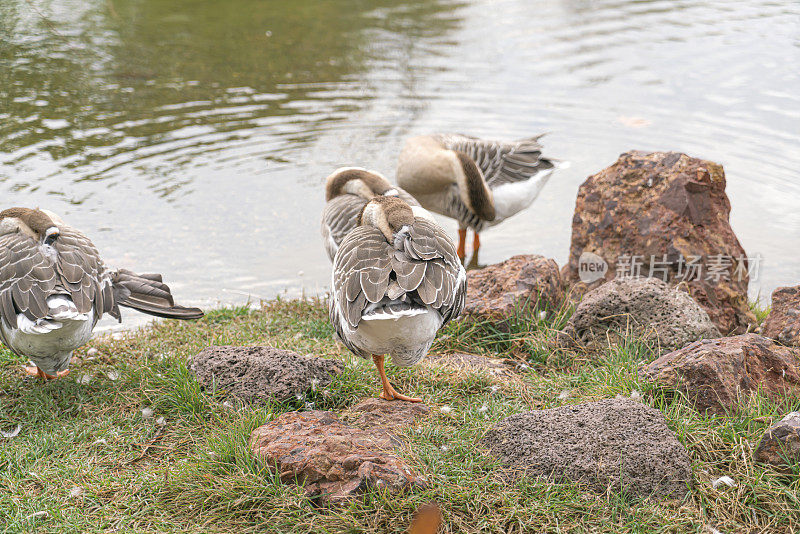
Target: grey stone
(646,308)
(780,445)
(260,373)
(617,443)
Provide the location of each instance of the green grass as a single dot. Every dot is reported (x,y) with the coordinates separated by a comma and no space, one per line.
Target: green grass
(197,475)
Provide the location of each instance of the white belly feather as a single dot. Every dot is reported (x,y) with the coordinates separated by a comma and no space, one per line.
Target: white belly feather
(405,335)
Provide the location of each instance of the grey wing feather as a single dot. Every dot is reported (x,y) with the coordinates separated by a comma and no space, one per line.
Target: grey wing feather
(339,217)
(361,272)
(501,162)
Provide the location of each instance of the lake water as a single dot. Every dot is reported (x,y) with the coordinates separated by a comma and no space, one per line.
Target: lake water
(192,138)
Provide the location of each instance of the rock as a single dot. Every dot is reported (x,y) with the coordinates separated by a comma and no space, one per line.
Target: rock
(783,321)
(716,373)
(374,413)
(471,362)
(334,461)
(617,443)
(502,289)
(652,209)
(780,445)
(261,373)
(646,308)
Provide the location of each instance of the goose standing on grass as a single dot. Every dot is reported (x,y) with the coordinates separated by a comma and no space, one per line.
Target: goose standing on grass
(396,281)
(347,191)
(477,182)
(54,287)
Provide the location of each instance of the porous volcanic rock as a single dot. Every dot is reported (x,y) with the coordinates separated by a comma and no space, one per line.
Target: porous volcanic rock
(260,373)
(618,443)
(783,321)
(503,289)
(335,461)
(392,416)
(646,212)
(716,374)
(780,445)
(646,308)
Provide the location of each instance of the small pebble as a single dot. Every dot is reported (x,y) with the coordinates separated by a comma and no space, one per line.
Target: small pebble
(728,481)
(635,395)
(117,336)
(76,491)
(446,409)
(161,421)
(563,395)
(542,315)
(92,353)
(101,441)
(147,413)
(84,379)
(445,448)
(227,404)
(113,375)
(483,409)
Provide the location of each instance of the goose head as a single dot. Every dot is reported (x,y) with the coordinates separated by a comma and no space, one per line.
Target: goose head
(35,223)
(390,215)
(356,181)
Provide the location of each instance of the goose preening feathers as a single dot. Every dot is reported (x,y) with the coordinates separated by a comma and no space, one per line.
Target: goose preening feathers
(347,191)
(477,182)
(396,281)
(54,287)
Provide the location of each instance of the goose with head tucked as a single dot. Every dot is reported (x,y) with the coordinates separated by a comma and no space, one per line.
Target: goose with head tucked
(347,191)
(477,182)
(396,282)
(54,287)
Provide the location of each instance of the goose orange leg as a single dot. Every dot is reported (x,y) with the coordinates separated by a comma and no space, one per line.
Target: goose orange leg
(35,371)
(389,393)
(476,243)
(462,244)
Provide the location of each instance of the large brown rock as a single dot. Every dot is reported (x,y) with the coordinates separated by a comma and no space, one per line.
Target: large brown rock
(335,461)
(660,207)
(717,374)
(645,308)
(780,445)
(783,321)
(520,282)
(615,443)
(261,373)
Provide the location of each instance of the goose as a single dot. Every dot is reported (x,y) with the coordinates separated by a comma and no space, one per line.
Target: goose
(54,287)
(477,182)
(396,281)
(347,191)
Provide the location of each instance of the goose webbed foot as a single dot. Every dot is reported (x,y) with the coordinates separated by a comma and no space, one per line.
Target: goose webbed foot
(389,393)
(36,371)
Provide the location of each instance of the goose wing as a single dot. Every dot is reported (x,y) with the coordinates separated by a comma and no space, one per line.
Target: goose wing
(501,162)
(29,275)
(427,262)
(339,217)
(423,261)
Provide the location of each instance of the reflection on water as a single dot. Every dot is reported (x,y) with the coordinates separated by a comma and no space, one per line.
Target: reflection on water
(192,137)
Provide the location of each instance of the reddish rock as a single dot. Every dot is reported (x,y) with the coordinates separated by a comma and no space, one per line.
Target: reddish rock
(649,210)
(716,373)
(335,461)
(783,322)
(500,290)
(780,445)
(392,416)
